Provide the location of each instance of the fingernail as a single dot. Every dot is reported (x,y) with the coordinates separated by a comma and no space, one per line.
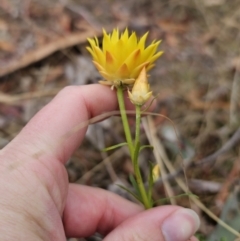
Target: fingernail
(181,225)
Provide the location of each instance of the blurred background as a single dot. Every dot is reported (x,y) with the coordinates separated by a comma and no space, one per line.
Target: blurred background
(196,82)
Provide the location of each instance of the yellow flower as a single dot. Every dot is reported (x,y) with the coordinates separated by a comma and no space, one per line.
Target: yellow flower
(122,57)
(141,89)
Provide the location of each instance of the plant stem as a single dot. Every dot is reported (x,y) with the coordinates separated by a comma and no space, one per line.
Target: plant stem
(146,202)
(138,122)
(133,147)
(125,120)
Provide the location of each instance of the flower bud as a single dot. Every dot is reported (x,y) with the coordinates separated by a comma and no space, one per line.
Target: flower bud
(141,90)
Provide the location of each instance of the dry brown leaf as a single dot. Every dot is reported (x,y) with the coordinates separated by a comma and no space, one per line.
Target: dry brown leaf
(210,36)
(55,73)
(7,47)
(64,21)
(3,25)
(172,40)
(229,180)
(197,103)
(172,26)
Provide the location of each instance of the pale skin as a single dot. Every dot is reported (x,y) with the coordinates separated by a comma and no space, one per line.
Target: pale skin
(37,202)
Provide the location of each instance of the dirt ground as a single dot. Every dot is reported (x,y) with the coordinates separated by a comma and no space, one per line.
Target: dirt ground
(196,81)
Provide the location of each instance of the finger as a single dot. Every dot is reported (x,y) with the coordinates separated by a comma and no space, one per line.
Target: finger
(167,223)
(48,130)
(193,239)
(89,210)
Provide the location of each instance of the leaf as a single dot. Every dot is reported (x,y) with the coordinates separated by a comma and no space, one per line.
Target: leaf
(146,146)
(130,192)
(136,152)
(114,147)
(175,197)
(135,185)
(150,181)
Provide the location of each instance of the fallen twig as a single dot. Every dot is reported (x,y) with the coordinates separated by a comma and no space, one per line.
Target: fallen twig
(48,49)
(226,147)
(206,160)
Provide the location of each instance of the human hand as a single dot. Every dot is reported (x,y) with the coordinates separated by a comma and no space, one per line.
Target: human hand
(37,202)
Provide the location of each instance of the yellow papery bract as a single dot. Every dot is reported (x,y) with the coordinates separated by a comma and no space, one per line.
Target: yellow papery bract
(122,56)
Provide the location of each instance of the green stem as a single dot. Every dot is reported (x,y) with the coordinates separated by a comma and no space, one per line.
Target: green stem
(138,122)
(125,120)
(145,199)
(133,148)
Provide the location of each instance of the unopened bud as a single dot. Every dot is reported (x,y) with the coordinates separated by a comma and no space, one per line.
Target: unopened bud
(140,93)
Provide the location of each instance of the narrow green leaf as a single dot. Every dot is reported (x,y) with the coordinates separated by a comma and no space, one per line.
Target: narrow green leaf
(130,192)
(136,152)
(135,185)
(150,181)
(146,146)
(175,197)
(114,147)
(135,163)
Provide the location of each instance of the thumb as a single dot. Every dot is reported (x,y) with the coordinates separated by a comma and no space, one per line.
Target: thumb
(167,223)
